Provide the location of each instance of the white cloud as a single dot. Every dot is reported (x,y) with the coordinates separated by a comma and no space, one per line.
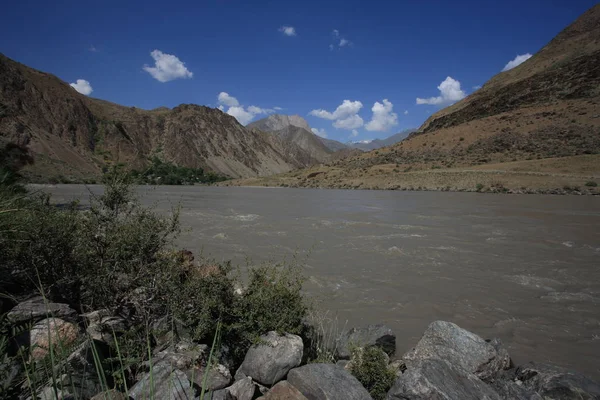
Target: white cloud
(345,42)
(335,33)
(243,114)
(351,122)
(93,49)
(476,87)
(82,86)
(520,59)
(383,117)
(405,112)
(226,99)
(339,40)
(319,132)
(331,47)
(288,30)
(345,115)
(167,67)
(277,108)
(450,92)
(354,133)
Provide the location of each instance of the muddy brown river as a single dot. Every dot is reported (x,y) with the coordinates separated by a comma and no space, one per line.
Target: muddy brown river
(524,268)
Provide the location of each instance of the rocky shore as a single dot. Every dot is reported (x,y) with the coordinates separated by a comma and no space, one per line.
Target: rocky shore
(447,363)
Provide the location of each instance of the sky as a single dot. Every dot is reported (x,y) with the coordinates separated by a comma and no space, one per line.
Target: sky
(354,69)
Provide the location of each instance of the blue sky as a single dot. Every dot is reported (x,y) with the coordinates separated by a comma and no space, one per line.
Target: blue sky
(336,67)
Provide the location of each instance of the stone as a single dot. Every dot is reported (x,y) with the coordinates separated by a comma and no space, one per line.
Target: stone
(437,379)
(103,327)
(168,383)
(283,391)
(38,308)
(218,377)
(222,394)
(327,382)
(243,389)
(81,377)
(447,341)
(511,390)
(371,335)
(110,395)
(182,356)
(270,361)
(556,383)
(51,332)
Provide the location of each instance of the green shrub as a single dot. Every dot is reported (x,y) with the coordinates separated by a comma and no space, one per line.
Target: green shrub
(591,184)
(479,187)
(370,367)
(165,173)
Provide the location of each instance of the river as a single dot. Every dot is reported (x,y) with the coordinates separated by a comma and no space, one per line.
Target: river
(524,268)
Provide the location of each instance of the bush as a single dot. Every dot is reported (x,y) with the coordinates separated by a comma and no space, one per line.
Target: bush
(479,187)
(370,367)
(591,184)
(165,173)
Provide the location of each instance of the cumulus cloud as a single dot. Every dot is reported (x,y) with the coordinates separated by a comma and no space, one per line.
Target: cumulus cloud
(319,132)
(167,67)
(225,99)
(476,87)
(352,122)
(243,114)
(405,112)
(520,59)
(345,115)
(450,92)
(354,133)
(277,108)
(288,30)
(383,117)
(338,40)
(82,86)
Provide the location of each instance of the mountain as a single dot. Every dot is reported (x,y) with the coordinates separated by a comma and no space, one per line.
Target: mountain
(534,126)
(294,129)
(334,145)
(276,122)
(74,135)
(368,145)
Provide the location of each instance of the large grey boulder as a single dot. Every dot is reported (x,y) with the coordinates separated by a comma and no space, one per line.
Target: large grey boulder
(555,383)
(102,326)
(163,382)
(269,361)
(221,394)
(38,308)
(437,379)
(447,341)
(371,335)
(244,389)
(213,378)
(283,391)
(327,382)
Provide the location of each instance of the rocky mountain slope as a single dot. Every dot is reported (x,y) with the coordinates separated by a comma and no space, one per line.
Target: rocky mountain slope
(547,108)
(76,136)
(334,145)
(294,129)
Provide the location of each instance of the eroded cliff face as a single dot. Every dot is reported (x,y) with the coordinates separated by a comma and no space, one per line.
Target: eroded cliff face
(74,135)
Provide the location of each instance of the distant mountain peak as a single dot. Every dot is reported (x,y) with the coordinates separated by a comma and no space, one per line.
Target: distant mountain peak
(275,122)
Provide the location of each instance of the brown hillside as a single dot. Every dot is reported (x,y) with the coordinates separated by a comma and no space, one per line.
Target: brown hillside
(73,135)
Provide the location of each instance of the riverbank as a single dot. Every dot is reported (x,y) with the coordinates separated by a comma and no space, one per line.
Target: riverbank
(578,175)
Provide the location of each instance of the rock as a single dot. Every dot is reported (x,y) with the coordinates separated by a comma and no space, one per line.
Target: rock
(371,335)
(222,394)
(103,327)
(270,361)
(182,356)
(168,383)
(218,377)
(110,395)
(81,378)
(447,341)
(243,389)
(51,332)
(511,390)
(553,382)
(437,379)
(283,391)
(327,382)
(38,308)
